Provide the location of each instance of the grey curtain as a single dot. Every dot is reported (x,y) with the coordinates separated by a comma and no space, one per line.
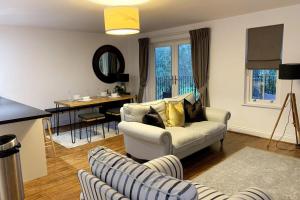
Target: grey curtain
(264,47)
(143,65)
(200,41)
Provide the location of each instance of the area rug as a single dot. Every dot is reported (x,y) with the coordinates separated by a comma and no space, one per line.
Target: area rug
(278,175)
(64,138)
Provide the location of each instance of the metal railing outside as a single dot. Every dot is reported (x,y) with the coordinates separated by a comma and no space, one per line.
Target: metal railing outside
(164,86)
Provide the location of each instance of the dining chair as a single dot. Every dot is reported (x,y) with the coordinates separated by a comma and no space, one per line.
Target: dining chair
(113,114)
(91,119)
(47,132)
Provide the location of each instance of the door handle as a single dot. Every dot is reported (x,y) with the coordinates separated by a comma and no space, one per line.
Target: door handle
(175,80)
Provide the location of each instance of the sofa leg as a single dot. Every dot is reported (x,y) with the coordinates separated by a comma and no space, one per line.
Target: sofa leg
(222,141)
(128,155)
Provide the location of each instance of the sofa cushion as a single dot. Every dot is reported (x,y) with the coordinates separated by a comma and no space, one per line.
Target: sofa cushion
(193,112)
(188,96)
(92,188)
(209,128)
(137,181)
(175,114)
(206,193)
(195,133)
(135,112)
(153,118)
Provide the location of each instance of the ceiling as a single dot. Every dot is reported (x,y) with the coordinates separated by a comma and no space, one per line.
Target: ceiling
(83,15)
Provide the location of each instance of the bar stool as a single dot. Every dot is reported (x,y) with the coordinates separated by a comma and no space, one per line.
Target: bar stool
(89,118)
(48,141)
(113,114)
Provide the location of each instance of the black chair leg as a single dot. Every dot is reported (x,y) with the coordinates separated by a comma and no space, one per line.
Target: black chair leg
(107,126)
(80,129)
(90,134)
(93,127)
(103,130)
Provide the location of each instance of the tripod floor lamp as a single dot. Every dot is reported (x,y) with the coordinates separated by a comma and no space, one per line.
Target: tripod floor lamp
(289,72)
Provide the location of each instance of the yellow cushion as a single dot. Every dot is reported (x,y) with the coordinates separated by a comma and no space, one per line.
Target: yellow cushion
(175,114)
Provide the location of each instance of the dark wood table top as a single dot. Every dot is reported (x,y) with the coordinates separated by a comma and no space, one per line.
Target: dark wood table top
(12,111)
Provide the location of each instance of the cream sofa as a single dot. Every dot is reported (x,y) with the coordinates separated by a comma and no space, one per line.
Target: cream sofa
(148,142)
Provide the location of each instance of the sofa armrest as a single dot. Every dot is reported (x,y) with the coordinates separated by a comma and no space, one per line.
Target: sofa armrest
(251,193)
(122,114)
(217,115)
(145,132)
(169,165)
(92,187)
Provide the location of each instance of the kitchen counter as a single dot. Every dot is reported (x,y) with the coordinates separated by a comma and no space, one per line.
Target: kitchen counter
(26,123)
(12,111)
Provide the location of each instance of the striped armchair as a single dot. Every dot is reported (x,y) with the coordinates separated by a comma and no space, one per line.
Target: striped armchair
(116,177)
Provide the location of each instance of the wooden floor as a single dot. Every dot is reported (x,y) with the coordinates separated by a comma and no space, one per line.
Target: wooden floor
(61,182)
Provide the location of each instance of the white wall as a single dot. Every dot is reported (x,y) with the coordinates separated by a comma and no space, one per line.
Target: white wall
(38,66)
(227,66)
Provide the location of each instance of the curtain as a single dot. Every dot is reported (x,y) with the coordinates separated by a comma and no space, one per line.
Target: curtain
(200,41)
(143,65)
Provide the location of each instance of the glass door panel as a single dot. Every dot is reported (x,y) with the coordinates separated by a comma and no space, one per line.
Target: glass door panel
(163,72)
(185,72)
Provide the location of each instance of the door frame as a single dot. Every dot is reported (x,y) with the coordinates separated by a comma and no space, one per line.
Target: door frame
(174,61)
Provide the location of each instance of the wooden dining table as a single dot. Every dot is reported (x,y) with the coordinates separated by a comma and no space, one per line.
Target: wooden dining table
(76,105)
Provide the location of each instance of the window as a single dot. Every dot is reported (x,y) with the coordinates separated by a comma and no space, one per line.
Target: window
(173,69)
(264,50)
(262,86)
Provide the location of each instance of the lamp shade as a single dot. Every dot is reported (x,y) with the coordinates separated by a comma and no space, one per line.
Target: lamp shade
(121,20)
(123,78)
(289,71)
(119,2)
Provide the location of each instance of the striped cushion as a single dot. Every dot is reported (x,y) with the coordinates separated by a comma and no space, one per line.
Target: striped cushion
(251,194)
(169,165)
(94,189)
(137,181)
(206,193)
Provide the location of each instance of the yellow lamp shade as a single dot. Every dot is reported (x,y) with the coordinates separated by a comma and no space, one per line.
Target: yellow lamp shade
(121,20)
(119,2)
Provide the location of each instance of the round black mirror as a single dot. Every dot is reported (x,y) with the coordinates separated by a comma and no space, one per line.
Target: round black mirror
(108,62)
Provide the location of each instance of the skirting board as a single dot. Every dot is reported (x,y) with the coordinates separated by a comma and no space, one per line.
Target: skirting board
(257,133)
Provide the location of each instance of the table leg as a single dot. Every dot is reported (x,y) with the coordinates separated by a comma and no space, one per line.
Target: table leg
(71,128)
(57,119)
(74,123)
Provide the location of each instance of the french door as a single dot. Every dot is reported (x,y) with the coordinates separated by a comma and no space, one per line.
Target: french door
(173,69)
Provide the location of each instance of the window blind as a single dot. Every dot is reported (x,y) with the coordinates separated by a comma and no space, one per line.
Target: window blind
(264,47)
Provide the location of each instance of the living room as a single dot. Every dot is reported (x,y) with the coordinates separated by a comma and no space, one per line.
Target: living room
(49,53)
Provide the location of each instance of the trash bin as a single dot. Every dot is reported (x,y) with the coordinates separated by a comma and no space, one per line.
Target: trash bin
(11,181)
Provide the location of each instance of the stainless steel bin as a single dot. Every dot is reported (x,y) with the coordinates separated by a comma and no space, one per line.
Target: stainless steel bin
(11,181)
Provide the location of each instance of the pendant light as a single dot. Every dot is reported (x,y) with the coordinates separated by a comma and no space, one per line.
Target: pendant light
(121,20)
(119,2)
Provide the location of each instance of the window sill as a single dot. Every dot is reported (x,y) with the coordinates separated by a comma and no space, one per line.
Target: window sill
(268,106)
